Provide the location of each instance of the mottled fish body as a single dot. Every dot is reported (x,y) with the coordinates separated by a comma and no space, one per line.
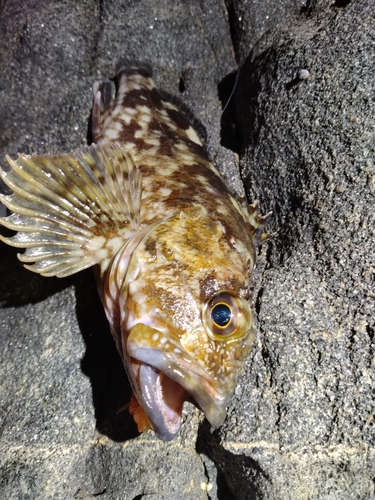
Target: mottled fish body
(174,248)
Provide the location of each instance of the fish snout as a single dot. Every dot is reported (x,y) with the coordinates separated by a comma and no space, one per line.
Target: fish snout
(166,377)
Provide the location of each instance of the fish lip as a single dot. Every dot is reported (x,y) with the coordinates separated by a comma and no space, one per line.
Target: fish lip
(187,374)
(150,380)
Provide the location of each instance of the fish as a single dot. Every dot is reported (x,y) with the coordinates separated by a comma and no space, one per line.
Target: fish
(173,249)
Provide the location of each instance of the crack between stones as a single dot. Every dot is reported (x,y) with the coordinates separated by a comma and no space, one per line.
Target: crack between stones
(234,28)
(238,475)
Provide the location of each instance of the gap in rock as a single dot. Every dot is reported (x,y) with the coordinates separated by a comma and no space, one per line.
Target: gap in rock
(237,475)
(308,8)
(341,3)
(13,292)
(181,85)
(229,131)
(234,26)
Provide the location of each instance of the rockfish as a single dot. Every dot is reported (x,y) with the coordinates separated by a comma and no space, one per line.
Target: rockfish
(173,249)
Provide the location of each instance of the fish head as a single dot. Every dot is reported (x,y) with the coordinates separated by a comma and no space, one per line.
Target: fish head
(185,321)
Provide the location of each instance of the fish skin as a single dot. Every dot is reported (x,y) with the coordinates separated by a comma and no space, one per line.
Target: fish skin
(182,244)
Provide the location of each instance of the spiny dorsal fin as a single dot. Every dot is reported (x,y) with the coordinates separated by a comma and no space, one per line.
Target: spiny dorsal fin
(73,210)
(104,97)
(258,222)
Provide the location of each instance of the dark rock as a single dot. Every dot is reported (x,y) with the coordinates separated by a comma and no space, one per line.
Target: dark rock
(249,20)
(308,146)
(301,423)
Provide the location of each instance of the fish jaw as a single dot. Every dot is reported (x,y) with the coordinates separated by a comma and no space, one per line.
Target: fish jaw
(163,381)
(162,400)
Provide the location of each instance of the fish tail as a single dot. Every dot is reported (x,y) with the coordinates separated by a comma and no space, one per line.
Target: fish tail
(110,122)
(132,75)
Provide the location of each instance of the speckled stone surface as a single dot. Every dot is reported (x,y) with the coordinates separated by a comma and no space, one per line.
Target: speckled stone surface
(301,423)
(308,152)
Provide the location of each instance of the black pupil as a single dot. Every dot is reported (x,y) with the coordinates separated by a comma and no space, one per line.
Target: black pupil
(221,315)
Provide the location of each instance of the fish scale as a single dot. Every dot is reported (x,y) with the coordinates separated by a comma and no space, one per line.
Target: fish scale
(173,249)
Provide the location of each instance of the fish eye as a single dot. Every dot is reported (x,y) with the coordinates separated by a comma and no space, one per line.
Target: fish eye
(221,315)
(227,317)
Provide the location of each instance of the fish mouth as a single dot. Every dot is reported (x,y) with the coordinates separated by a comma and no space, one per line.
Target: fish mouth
(162,400)
(167,379)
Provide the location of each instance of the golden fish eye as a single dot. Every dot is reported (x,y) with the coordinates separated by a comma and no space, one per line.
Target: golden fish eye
(226,317)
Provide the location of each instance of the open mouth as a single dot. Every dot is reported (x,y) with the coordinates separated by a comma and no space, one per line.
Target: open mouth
(168,379)
(163,399)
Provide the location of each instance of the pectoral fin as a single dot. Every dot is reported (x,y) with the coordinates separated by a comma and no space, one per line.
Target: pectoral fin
(74,210)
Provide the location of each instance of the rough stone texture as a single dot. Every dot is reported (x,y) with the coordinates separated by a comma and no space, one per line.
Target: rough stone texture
(308,152)
(249,20)
(301,424)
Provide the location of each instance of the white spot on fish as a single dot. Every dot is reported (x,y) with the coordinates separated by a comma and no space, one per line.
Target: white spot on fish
(117,126)
(202,180)
(153,151)
(191,133)
(187,159)
(126,119)
(213,191)
(169,105)
(221,227)
(128,145)
(222,209)
(145,110)
(181,146)
(111,134)
(152,141)
(130,111)
(140,133)
(165,192)
(133,86)
(144,120)
(171,125)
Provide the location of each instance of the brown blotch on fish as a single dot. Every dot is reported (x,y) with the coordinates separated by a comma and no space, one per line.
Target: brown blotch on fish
(208,287)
